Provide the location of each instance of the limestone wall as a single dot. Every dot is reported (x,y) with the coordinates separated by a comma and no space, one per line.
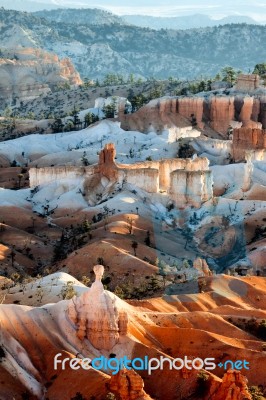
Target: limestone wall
(34,73)
(39,176)
(255,155)
(249,113)
(158,115)
(190,188)
(247,82)
(169,165)
(194,105)
(247,139)
(219,112)
(144,178)
(222,111)
(187,181)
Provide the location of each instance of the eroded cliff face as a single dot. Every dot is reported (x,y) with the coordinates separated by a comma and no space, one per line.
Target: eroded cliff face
(186,181)
(187,116)
(40,176)
(32,72)
(192,107)
(222,111)
(247,82)
(247,139)
(190,187)
(249,113)
(159,115)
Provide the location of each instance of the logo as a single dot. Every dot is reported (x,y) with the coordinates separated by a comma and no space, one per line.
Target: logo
(114,365)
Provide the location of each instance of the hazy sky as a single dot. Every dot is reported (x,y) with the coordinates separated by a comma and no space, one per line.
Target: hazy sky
(215,8)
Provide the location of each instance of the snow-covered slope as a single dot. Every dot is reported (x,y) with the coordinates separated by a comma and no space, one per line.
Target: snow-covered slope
(69,147)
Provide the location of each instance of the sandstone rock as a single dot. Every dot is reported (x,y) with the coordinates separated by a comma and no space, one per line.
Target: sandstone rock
(263,111)
(246,114)
(159,115)
(186,181)
(190,187)
(192,106)
(201,265)
(222,111)
(128,385)
(232,387)
(247,82)
(255,109)
(246,139)
(176,114)
(107,165)
(96,316)
(32,73)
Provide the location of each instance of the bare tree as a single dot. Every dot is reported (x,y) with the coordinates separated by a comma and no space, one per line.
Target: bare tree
(130,225)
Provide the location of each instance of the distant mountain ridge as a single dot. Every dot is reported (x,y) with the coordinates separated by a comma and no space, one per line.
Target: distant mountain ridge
(90,16)
(185,22)
(28,5)
(111,47)
(94,16)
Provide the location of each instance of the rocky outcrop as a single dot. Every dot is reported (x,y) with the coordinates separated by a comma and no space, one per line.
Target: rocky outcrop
(249,113)
(190,187)
(202,267)
(31,73)
(247,82)
(107,166)
(192,108)
(232,387)
(159,115)
(128,385)
(262,114)
(222,111)
(186,181)
(96,316)
(185,116)
(246,139)
(31,337)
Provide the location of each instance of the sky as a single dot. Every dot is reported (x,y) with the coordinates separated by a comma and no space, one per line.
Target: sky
(215,8)
(169,8)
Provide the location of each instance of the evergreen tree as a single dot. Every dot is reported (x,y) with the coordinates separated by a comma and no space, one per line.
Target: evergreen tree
(110,109)
(260,69)
(58,125)
(76,121)
(229,75)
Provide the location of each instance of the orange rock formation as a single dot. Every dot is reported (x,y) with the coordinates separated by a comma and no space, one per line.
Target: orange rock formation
(247,82)
(247,139)
(35,72)
(219,112)
(186,181)
(96,317)
(128,385)
(222,111)
(233,387)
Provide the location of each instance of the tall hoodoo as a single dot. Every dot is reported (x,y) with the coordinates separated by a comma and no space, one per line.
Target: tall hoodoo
(107,155)
(96,316)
